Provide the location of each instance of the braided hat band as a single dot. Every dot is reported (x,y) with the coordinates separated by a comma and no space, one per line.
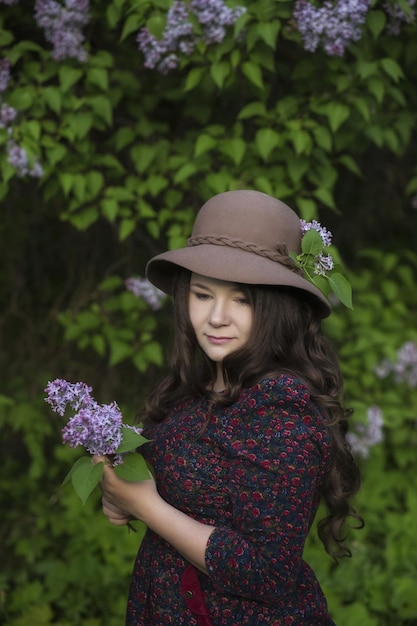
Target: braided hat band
(279,255)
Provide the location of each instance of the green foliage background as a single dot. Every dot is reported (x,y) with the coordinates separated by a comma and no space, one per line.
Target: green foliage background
(129,156)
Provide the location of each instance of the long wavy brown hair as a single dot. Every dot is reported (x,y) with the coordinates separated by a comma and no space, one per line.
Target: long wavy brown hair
(286,337)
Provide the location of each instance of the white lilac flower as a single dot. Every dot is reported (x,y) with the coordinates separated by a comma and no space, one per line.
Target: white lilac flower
(367,435)
(142,288)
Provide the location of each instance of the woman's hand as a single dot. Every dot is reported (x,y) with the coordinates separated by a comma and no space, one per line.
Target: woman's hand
(123,500)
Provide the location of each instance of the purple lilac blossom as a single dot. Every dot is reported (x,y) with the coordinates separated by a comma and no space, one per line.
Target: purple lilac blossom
(404,369)
(96,427)
(4,74)
(18,158)
(326,235)
(179,36)
(397,17)
(142,288)
(334,24)
(7,115)
(63,25)
(9,2)
(214,15)
(367,435)
(324,263)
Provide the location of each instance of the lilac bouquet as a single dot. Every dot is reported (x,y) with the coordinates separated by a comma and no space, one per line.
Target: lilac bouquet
(317,264)
(100,430)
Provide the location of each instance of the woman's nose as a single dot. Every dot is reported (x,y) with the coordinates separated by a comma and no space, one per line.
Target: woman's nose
(219,313)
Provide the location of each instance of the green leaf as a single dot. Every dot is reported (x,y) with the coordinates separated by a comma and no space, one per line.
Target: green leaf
(376,21)
(194,77)
(219,72)
(337,114)
(131,25)
(312,242)
(187,170)
(53,98)
(376,88)
(301,141)
(204,143)
(350,164)
(68,76)
(85,218)
(86,476)
(101,106)
(95,182)
(325,196)
(98,76)
(268,31)
(266,140)
(127,226)
(142,156)
(341,288)
(252,71)
(133,468)
(251,110)
(307,208)
(392,68)
(235,149)
(131,440)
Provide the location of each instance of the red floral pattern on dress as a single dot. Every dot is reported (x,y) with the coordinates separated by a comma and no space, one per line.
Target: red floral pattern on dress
(255,475)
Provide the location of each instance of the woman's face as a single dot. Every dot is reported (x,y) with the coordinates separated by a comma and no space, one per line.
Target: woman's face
(220,315)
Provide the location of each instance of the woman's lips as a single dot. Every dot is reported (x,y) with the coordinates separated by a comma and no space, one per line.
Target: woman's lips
(218,341)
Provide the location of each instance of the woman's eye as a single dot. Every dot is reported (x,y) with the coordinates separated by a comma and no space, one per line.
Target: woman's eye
(242,300)
(201,296)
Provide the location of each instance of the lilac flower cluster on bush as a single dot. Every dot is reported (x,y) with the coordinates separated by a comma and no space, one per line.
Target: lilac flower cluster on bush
(404,369)
(142,288)
(179,36)
(334,24)
(63,26)
(324,263)
(398,17)
(96,427)
(16,155)
(367,435)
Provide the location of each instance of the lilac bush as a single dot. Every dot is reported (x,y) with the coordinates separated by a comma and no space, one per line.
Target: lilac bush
(179,36)
(142,288)
(333,24)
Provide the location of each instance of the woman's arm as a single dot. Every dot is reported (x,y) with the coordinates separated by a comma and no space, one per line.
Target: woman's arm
(124,500)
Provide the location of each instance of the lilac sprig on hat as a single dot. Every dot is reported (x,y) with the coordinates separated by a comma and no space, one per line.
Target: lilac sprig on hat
(318,265)
(100,430)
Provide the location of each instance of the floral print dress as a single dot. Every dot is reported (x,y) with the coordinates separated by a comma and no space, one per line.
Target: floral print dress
(254,474)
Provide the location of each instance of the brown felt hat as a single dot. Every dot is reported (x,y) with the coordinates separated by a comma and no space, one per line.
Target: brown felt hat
(244,237)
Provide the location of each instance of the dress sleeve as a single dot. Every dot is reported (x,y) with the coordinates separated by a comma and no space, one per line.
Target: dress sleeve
(279,446)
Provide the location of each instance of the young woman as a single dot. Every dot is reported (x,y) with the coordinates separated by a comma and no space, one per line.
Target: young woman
(247,432)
